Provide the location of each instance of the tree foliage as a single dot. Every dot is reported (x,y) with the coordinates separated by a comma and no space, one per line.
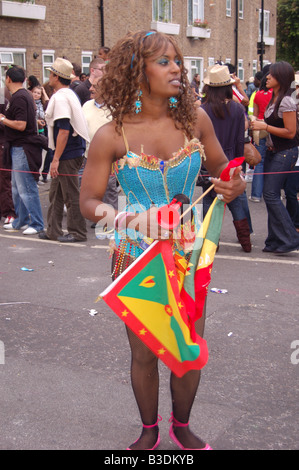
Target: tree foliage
(288,32)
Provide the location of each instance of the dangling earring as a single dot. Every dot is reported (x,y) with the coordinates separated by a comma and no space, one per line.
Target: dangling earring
(172,102)
(138,103)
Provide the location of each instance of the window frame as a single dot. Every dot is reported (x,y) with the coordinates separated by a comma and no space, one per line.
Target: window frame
(241,9)
(162,11)
(267,16)
(85,65)
(47,63)
(195,65)
(229,8)
(13,51)
(196,10)
(241,71)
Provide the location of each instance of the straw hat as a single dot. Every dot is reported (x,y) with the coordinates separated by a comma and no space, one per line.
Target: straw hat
(63,68)
(218,75)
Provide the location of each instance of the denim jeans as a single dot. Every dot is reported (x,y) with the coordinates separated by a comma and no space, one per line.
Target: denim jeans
(25,193)
(258,177)
(238,207)
(291,189)
(282,234)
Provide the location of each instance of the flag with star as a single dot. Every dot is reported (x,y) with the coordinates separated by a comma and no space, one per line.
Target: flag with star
(161,295)
(197,278)
(198,271)
(146,297)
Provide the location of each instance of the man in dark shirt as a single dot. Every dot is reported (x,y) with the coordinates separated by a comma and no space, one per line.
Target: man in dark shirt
(68,133)
(25,154)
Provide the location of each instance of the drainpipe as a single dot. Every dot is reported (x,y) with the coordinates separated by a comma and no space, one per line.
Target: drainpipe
(262,36)
(101,8)
(236,36)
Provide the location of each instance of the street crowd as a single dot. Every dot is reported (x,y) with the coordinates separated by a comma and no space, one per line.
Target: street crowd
(137,123)
(46,130)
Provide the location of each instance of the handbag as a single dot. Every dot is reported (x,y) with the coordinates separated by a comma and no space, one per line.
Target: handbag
(251,154)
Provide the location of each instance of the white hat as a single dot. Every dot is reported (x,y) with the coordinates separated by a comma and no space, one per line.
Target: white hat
(219,76)
(63,68)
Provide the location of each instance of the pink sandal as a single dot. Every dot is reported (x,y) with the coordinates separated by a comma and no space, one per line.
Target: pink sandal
(147,427)
(177,423)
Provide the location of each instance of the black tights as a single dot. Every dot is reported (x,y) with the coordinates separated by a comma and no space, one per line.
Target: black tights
(145,384)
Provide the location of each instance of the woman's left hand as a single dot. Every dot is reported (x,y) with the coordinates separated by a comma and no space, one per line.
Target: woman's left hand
(232,188)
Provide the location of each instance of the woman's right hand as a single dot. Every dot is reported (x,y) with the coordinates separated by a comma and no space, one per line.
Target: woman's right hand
(147,224)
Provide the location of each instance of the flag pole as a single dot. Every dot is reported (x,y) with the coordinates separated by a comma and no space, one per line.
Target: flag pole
(197,200)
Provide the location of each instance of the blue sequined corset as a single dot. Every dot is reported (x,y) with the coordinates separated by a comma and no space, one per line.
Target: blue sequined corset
(148,180)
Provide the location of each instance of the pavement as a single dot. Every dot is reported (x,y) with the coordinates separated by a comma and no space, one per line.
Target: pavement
(65,371)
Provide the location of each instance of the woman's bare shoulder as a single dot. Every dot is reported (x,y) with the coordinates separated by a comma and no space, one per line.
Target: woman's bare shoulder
(109,141)
(202,122)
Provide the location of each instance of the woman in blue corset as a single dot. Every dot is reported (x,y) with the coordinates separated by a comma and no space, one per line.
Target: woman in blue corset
(154,145)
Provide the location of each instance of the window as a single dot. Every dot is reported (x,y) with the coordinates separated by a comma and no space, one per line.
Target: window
(228,7)
(86,58)
(241,70)
(195,65)
(8,57)
(211,61)
(266,23)
(241,9)
(254,67)
(195,11)
(48,59)
(162,10)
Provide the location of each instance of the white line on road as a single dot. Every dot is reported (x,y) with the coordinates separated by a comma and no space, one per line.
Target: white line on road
(274,259)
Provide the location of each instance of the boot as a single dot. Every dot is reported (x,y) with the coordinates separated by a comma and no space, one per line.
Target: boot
(243,234)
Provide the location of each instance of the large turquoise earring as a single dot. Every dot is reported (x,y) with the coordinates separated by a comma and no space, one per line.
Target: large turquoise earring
(172,102)
(138,103)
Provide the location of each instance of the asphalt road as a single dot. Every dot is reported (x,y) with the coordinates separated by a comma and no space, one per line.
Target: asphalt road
(64,372)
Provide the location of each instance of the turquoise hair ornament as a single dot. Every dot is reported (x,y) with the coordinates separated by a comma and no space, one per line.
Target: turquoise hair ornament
(172,102)
(138,103)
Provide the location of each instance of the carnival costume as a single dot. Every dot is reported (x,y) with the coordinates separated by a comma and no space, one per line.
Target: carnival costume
(147,181)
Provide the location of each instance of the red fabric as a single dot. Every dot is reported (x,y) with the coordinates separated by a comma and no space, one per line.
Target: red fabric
(262,99)
(229,170)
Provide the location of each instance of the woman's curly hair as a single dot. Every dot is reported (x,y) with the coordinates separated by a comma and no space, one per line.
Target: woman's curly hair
(125,72)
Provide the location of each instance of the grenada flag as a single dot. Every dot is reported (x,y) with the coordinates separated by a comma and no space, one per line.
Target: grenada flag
(146,297)
(198,271)
(160,296)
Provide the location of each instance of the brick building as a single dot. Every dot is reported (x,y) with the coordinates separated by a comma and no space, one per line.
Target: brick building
(34,33)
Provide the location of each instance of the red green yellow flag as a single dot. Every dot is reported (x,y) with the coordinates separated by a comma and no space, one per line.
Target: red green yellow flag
(198,272)
(146,297)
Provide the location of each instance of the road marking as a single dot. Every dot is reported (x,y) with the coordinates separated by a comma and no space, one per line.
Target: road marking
(274,259)
(39,240)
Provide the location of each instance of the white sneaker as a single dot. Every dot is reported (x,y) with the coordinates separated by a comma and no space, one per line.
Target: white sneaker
(10,228)
(30,231)
(9,220)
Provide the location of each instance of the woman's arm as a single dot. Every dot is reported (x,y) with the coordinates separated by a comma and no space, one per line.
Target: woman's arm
(101,155)
(286,132)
